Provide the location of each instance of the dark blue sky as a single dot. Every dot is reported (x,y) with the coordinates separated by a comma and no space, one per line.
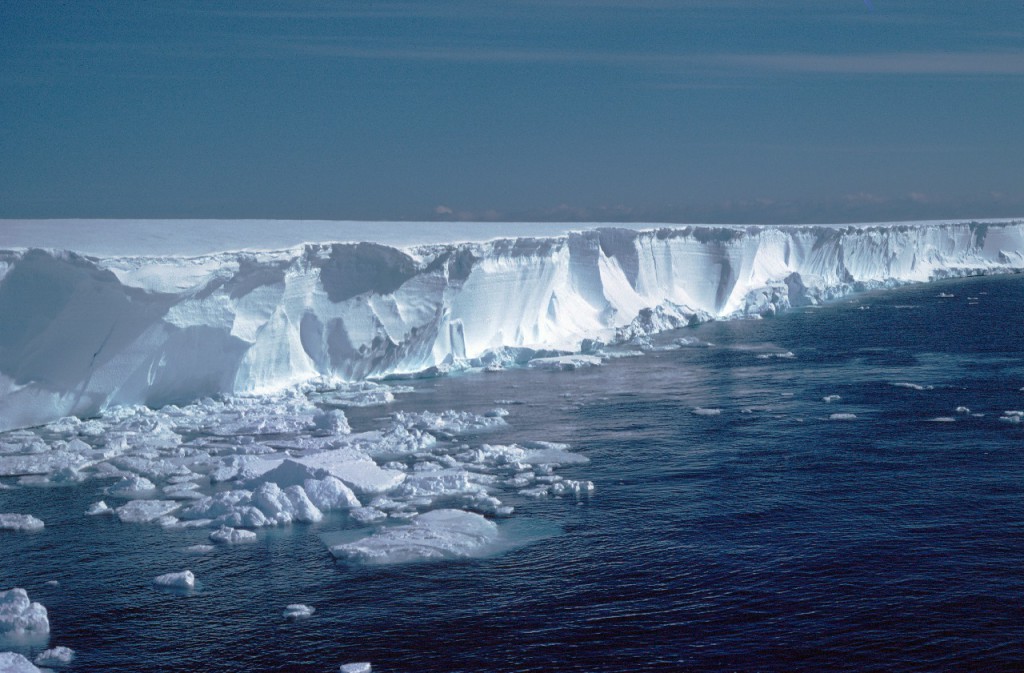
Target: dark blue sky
(716,110)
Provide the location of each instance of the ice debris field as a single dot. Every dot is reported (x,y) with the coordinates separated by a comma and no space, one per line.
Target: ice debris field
(208,392)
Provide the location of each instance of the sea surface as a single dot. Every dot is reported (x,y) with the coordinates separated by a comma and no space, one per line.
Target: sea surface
(740,522)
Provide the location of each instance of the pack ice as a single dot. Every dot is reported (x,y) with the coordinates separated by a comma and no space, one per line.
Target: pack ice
(83,333)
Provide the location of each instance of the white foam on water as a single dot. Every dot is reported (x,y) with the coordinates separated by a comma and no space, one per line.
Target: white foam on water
(911,386)
(298,611)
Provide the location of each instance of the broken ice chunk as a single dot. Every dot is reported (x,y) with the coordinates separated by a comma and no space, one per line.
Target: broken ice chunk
(357,667)
(99,508)
(20,522)
(285,506)
(572,487)
(330,493)
(228,535)
(145,511)
(132,486)
(436,535)
(356,469)
(367,515)
(181,580)
(55,657)
(12,662)
(20,615)
(566,362)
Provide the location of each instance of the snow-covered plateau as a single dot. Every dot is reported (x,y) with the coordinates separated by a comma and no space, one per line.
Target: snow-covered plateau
(83,333)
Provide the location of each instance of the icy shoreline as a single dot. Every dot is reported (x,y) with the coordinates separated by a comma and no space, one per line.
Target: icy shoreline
(82,334)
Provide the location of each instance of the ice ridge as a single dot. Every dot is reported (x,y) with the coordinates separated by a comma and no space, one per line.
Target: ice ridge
(80,334)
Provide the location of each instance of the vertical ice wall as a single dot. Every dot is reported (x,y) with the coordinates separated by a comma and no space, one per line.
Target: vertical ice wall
(80,333)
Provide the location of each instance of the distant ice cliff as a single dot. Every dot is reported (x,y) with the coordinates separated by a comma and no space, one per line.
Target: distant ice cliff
(80,333)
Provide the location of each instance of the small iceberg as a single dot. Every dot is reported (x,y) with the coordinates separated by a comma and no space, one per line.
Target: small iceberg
(98,508)
(19,615)
(229,535)
(359,667)
(182,580)
(55,657)
(20,522)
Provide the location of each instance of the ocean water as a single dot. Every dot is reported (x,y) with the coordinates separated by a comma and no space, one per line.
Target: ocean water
(737,523)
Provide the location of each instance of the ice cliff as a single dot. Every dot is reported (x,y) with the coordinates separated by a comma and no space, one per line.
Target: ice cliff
(80,333)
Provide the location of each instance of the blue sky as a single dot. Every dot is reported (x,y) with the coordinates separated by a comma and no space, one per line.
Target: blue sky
(642,110)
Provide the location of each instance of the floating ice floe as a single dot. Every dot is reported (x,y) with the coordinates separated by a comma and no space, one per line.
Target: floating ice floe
(145,511)
(132,486)
(180,580)
(55,657)
(1014,417)
(228,535)
(703,411)
(12,662)
(828,399)
(20,615)
(435,535)
(298,611)
(200,548)
(942,419)
(963,410)
(354,468)
(98,508)
(356,667)
(842,417)
(566,362)
(20,522)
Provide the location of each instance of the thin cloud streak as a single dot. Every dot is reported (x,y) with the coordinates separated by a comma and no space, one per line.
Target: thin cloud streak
(882,63)
(893,63)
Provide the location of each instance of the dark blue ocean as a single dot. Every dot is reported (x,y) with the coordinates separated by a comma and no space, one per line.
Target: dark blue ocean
(768,537)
